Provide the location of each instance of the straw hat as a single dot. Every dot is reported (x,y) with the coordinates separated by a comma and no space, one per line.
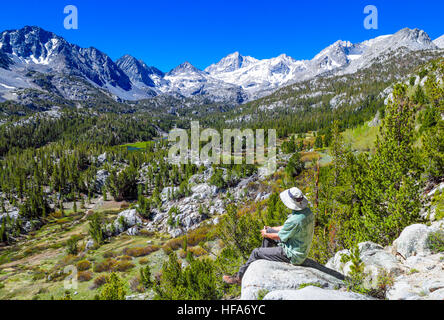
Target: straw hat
(294,199)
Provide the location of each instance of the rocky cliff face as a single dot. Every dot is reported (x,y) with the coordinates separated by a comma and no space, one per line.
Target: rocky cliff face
(47,52)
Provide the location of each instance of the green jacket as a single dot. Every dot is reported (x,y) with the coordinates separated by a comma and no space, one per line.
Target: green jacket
(297,234)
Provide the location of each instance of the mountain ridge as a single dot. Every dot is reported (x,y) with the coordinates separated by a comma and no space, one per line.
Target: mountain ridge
(235,78)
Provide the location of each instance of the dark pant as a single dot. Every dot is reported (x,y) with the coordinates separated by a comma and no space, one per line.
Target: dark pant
(268,251)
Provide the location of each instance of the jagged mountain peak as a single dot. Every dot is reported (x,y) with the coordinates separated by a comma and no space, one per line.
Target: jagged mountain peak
(414,38)
(234,75)
(230,63)
(138,71)
(439,42)
(185,67)
(36,48)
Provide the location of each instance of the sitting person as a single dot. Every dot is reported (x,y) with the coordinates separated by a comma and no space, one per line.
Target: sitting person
(289,243)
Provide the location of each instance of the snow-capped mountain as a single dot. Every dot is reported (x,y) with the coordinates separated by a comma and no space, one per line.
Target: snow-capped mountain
(231,63)
(234,79)
(261,77)
(33,47)
(188,81)
(439,42)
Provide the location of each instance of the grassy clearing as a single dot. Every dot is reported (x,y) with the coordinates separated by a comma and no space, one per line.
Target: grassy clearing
(362,138)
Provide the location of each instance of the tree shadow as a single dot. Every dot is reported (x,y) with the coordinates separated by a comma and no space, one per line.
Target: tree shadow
(316,265)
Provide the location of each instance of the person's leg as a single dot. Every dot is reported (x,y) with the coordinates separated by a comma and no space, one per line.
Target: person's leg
(272,254)
(269,243)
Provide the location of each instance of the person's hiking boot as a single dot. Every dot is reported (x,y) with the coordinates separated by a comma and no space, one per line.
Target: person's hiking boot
(232,280)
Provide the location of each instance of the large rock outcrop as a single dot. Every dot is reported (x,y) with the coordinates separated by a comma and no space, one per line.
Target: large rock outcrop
(314,293)
(126,220)
(374,257)
(277,276)
(413,240)
(417,273)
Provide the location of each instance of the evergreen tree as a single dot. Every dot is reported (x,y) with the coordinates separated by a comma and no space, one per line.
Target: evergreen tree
(145,277)
(389,190)
(95,229)
(113,289)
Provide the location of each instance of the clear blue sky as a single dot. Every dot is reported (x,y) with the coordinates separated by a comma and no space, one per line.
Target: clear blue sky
(165,33)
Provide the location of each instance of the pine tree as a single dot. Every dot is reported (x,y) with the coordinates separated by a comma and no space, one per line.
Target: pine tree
(145,277)
(95,229)
(390,185)
(114,289)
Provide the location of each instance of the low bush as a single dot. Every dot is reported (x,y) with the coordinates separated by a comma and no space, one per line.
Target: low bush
(84,276)
(173,244)
(99,281)
(435,241)
(104,266)
(124,258)
(83,265)
(146,233)
(71,246)
(195,251)
(109,254)
(135,285)
(122,266)
(140,251)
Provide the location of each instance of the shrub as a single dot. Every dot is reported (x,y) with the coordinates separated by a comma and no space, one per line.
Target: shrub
(167,250)
(124,258)
(84,276)
(109,254)
(217,179)
(261,294)
(198,281)
(384,282)
(294,166)
(104,266)
(122,266)
(140,251)
(146,233)
(135,285)
(435,241)
(143,261)
(38,275)
(99,281)
(183,253)
(355,281)
(308,284)
(413,271)
(83,265)
(197,251)
(173,244)
(71,246)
